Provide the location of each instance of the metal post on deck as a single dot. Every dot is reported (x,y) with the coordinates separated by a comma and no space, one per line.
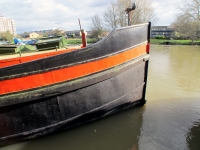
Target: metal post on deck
(128,11)
(83,35)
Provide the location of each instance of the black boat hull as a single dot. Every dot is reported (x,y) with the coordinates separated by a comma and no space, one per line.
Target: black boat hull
(124,88)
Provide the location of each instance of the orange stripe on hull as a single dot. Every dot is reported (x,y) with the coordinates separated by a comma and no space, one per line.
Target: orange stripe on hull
(23,59)
(65,74)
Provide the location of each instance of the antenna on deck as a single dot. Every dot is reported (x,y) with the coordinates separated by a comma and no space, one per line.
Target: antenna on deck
(128,11)
(79,23)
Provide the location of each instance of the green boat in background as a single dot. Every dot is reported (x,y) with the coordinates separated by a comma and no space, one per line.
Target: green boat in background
(40,45)
(51,43)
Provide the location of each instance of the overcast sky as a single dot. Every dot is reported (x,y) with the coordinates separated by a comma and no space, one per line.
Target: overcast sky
(64,14)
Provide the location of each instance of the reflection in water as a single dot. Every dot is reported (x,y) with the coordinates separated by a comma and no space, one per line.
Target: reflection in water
(166,124)
(193,136)
(169,120)
(117,132)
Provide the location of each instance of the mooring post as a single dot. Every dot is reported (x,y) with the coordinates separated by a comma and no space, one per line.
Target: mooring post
(84,39)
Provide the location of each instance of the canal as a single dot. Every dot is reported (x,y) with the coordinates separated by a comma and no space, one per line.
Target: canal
(169,120)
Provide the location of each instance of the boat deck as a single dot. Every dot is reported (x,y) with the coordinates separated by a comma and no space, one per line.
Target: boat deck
(14,59)
(10,56)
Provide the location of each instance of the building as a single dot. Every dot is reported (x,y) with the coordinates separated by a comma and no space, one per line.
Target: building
(7,24)
(166,31)
(44,31)
(49,32)
(33,35)
(89,33)
(74,32)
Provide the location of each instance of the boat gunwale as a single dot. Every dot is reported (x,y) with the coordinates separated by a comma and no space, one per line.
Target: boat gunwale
(132,26)
(67,65)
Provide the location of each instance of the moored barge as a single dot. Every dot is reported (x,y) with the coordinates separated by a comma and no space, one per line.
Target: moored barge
(48,95)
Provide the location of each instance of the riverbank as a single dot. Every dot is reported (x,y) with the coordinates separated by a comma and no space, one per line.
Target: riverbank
(153,41)
(173,42)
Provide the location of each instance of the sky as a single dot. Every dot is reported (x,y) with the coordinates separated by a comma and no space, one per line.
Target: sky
(30,15)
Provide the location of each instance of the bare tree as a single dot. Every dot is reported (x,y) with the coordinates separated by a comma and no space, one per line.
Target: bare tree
(58,32)
(121,15)
(144,13)
(97,26)
(110,16)
(187,22)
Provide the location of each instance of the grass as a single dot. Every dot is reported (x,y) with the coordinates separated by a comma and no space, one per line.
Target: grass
(79,40)
(174,42)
